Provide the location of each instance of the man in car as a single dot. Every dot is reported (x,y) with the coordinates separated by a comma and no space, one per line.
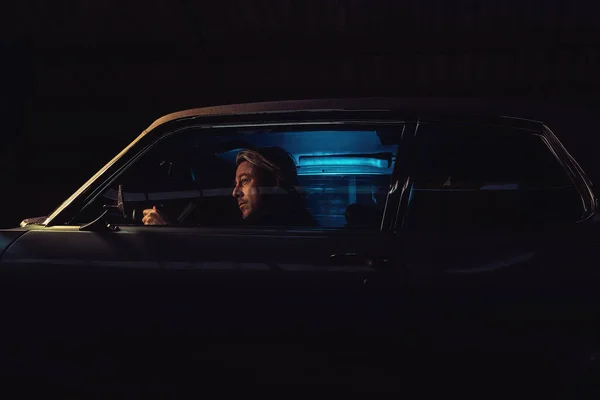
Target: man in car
(265,191)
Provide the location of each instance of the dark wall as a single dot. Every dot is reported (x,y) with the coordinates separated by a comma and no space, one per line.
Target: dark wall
(82,79)
(16,86)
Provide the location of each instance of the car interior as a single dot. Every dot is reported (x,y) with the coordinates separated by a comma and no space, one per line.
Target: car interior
(343,176)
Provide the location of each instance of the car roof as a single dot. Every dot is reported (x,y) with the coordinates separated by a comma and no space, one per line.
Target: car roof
(467,109)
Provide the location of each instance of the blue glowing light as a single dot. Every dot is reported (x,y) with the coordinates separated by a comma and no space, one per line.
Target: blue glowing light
(337,161)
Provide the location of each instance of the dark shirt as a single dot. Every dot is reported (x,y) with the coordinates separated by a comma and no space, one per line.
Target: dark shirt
(217,212)
(298,217)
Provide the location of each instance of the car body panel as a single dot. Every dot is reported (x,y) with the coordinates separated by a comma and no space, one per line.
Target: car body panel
(8,237)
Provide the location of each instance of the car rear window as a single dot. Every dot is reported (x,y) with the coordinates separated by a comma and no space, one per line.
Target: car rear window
(472,177)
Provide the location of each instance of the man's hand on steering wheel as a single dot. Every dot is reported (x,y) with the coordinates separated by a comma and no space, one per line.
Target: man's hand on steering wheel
(152,216)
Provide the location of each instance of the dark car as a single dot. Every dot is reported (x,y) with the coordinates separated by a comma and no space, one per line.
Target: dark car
(448,243)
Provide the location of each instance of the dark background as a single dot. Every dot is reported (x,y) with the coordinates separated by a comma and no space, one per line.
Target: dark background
(80,79)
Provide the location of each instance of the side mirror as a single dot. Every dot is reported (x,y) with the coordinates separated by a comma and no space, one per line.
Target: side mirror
(33,221)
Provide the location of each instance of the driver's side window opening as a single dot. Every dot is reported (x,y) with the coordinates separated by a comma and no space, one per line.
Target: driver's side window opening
(313,177)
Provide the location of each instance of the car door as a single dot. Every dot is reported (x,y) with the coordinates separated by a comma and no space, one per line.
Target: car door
(488,210)
(213,288)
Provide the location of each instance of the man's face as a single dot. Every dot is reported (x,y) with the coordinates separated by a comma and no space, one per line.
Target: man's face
(247,190)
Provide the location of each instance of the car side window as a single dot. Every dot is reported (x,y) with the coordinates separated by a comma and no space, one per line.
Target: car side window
(469,177)
(323,177)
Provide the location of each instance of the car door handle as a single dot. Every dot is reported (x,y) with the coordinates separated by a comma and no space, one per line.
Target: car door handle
(357,259)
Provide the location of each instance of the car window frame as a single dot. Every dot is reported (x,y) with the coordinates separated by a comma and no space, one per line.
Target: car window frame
(576,173)
(128,157)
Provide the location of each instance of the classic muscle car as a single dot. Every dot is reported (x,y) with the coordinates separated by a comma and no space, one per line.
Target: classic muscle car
(440,240)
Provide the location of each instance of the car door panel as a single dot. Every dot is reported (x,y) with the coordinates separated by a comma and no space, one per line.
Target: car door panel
(192,283)
(198,301)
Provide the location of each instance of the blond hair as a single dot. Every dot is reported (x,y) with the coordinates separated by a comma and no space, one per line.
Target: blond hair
(274,161)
